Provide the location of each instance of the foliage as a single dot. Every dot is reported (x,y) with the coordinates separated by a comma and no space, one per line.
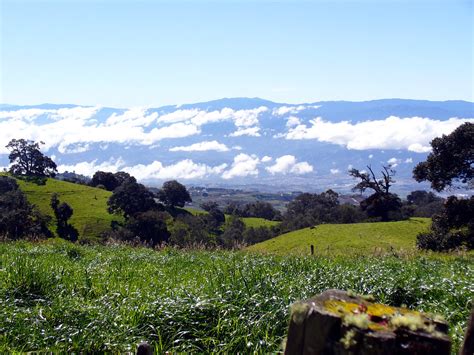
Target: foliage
(451,229)
(149,226)
(257,209)
(63,212)
(382,203)
(131,198)
(18,218)
(190,231)
(451,160)
(109,181)
(26,159)
(233,235)
(59,297)
(174,194)
(348,239)
(313,209)
(424,203)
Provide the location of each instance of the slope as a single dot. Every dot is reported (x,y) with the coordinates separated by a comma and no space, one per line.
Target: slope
(347,239)
(90,215)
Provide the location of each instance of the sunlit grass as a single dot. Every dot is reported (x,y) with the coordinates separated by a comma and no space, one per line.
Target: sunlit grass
(56,296)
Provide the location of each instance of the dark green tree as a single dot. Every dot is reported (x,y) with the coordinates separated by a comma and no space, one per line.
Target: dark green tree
(149,226)
(110,181)
(63,212)
(26,159)
(451,160)
(174,194)
(382,203)
(19,218)
(131,198)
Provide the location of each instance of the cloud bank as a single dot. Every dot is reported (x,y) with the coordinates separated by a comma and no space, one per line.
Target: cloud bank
(412,133)
(287,164)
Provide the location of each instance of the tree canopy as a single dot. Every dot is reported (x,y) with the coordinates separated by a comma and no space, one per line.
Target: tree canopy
(174,194)
(382,203)
(131,198)
(109,181)
(26,159)
(451,160)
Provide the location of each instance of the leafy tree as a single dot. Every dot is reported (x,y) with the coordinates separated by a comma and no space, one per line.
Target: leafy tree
(26,159)
(310,209)
(424,203)
(233,235)
(174,194)
(109,181)
(190,231)
(18,218)
(451,160)
(451,229)
(149,226)
(382,203)
(63,212)
(131,198)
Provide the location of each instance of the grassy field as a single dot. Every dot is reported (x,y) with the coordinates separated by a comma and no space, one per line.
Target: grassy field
(347,239)
(90,216)
(60,297)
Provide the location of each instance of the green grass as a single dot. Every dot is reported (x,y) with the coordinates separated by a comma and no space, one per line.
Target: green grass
(347,239)
(258,222)
(90,215)
(59,297)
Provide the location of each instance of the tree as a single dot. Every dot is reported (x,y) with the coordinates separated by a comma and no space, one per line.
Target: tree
(149,226)
(18,218)
(382,203)
(131,198)
(63,212)
(110,181)
(27,159)
(174,194)
(451,160)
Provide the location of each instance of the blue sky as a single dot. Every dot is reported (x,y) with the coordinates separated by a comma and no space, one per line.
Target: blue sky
(134,53)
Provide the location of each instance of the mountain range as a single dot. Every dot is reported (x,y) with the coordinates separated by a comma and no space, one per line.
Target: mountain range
(239,142)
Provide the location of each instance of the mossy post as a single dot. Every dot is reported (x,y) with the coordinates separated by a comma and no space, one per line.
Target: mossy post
(338,322)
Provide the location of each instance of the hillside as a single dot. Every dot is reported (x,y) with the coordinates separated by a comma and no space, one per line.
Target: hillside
(90,216)
(347,239)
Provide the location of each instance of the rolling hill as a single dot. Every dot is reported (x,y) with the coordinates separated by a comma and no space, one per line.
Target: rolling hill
(347,239)
(90,216)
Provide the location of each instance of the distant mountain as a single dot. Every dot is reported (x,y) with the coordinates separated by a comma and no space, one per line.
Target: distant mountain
(239,142)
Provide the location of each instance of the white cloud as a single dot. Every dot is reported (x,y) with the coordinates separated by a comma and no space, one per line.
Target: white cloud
(283,110)
(243,165)
(251,131)
(394,162)
(287,164)
(371,156)
(413,133)
(202,147)
(71,128)
(408,160)
(266,159)
(335,171)
(184,169)
(293,121)
(89,168)
(350,167)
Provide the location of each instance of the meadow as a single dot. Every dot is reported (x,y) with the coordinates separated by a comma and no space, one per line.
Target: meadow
(90,216)
(56,296)
(348,239)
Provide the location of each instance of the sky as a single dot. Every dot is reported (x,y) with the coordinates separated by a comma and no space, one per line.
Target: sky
(144,53)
